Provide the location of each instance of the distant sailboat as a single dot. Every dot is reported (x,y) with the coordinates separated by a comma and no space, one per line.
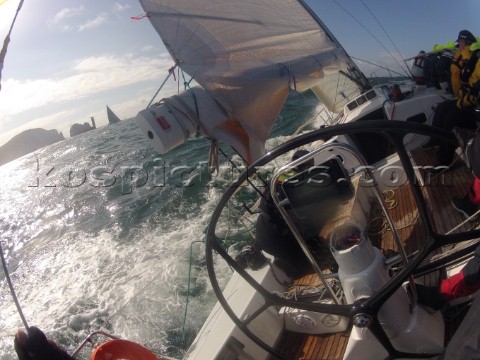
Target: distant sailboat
(112,118)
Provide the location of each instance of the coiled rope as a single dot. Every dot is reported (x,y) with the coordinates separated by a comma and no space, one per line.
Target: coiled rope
(379,224)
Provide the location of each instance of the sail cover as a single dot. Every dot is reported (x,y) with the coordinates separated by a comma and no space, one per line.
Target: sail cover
(248,54)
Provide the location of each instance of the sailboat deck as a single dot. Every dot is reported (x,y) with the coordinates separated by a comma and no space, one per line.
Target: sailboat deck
(319,347)
(324,347)
(438,192)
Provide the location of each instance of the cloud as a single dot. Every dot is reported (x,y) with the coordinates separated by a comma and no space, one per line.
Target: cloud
(62,20)
(62,100)
(66,13)
(66,28)
(117,7)
(147,48)
(92,24)
(88,76)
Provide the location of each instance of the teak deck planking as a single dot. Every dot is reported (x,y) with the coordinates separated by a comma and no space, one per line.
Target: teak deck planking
(438,192)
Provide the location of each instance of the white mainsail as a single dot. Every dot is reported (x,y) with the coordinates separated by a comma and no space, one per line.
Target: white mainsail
(249,54)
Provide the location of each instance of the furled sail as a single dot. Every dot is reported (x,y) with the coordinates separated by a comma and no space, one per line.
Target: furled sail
(248,55)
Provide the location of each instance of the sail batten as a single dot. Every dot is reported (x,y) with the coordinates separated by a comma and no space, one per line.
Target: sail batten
(249,54)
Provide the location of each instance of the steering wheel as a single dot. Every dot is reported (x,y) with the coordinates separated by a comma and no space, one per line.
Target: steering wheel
(364,312)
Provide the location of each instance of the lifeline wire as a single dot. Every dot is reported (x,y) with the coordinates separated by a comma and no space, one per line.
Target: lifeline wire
(12,290)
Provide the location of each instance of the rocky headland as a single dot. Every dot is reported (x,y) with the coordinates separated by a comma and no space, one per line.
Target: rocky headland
(27,142)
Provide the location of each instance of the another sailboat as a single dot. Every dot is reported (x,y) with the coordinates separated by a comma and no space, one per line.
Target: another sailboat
(112,117)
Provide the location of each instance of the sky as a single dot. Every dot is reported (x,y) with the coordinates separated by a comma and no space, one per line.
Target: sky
(67,60)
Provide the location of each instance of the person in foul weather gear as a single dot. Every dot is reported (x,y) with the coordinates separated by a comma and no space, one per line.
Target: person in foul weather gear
(470,79)
(446,113)
(460,285)
(463,115)
(465,282)
(464,41)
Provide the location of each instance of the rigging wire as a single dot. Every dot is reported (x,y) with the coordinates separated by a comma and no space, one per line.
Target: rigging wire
(3,52)
(170,72)
(388,36)
(12,289)
(381,67)
(369,32)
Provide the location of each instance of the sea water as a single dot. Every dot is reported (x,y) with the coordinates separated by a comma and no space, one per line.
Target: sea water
(100,233)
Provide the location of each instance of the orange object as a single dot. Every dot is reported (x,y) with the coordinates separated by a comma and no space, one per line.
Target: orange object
(122,350)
